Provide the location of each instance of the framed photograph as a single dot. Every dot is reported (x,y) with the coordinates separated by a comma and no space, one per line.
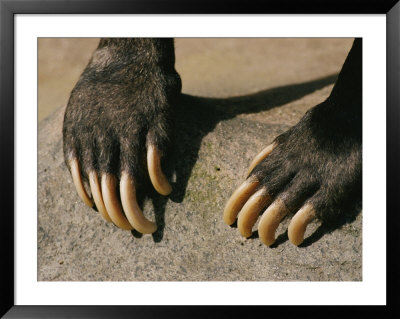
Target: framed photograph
(95,95)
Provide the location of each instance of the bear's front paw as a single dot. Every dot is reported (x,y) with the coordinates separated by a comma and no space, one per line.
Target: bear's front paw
(117,127)
(312,170)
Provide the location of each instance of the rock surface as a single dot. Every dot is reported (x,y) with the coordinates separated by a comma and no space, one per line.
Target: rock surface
(239,95)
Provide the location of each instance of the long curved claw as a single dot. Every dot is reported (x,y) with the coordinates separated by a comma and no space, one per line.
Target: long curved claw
(270,220)
(77,179)
(157,177)
(96,193)
(112,204)
(261,156)
(251,210)
(238,199)
(131,207)
(299,223)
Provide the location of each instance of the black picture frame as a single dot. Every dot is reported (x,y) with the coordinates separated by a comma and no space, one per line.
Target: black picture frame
(8,10)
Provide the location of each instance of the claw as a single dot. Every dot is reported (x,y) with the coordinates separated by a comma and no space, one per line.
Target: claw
(299,223)
(251,210)
(131,207)
(270,220)
(76,177)
(157,177)
(113,206)
(96,193)
(238,199)
(262,155)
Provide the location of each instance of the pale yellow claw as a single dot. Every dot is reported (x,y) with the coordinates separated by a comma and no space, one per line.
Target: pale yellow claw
(251,210)
(77,179)
(262,155)
(131,207)
(299,223)
(157,177)
(97,196)
(111,201)
(270,221)
(238,199)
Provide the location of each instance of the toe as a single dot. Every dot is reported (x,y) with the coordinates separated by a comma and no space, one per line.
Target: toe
(270,221)
(111,201)
(251,210)
(131,207)
(238,199)
(299,223)
(77,179)
(97,196)
(261,156)
(156,174)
